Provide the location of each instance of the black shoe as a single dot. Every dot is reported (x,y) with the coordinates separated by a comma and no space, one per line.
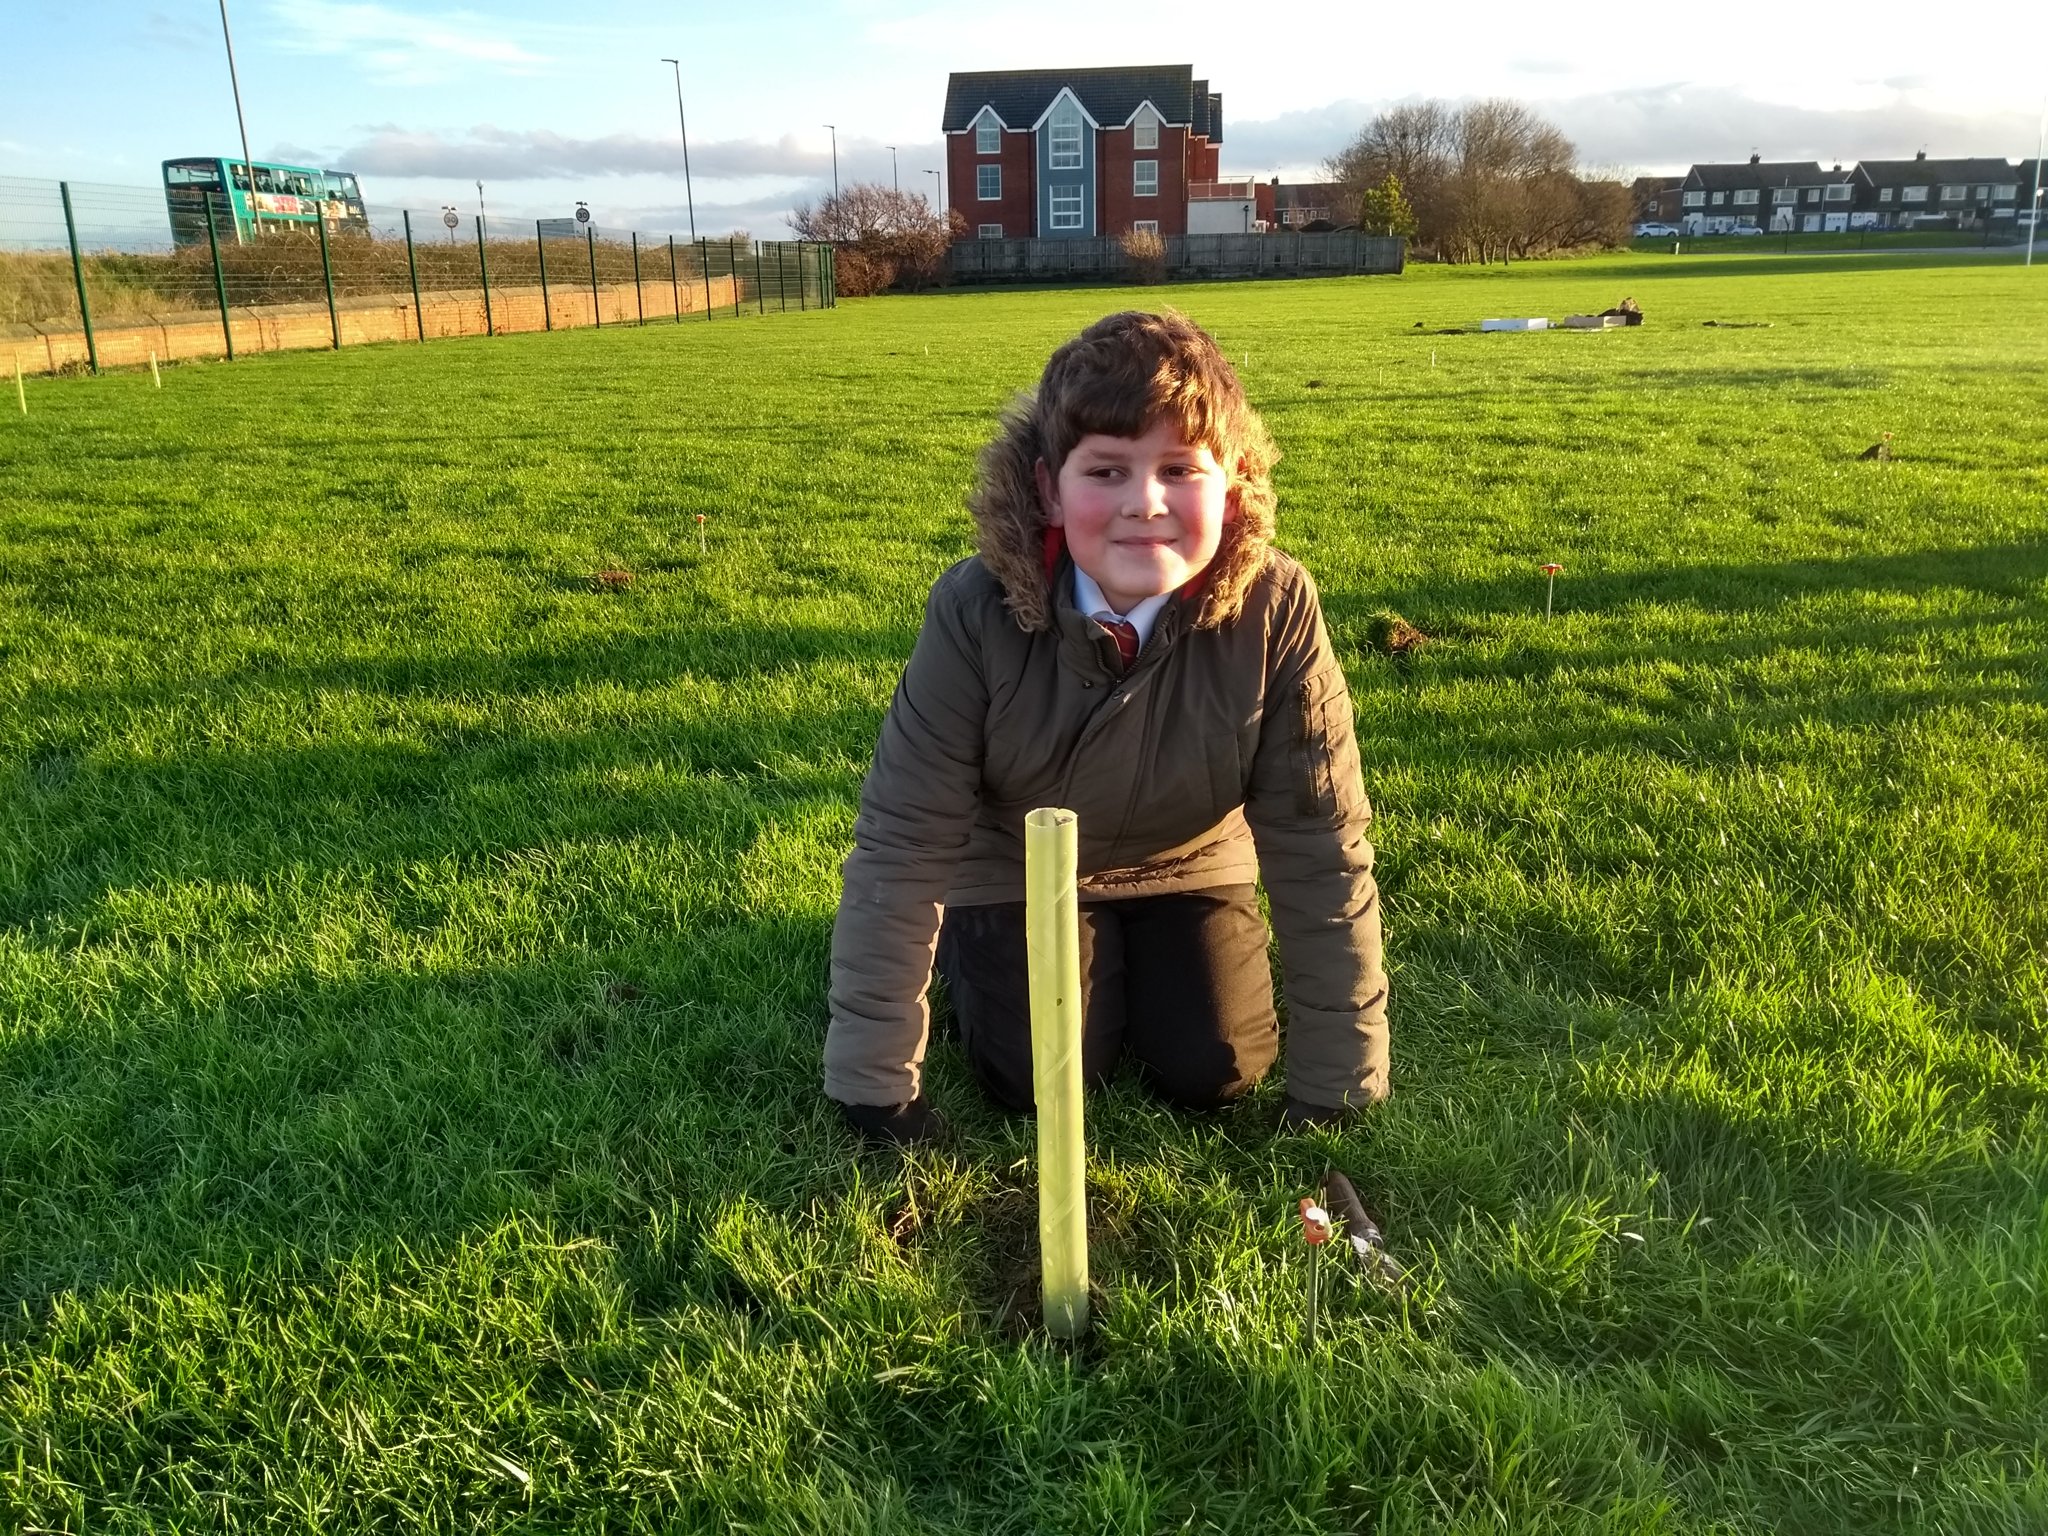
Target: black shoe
(894,1124)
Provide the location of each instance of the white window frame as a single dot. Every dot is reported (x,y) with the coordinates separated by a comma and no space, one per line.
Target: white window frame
(1139,178)
(1720,198)
(1839,191)
(988,136)
(1746,197)
(1696,199)
(1954,194)
(2005,194)
(1884,194)
(1063,151)
(1780,196)
(985,177)
(1144,226)
(1145,129)
(988,231)
(1059,194)
(1913,195)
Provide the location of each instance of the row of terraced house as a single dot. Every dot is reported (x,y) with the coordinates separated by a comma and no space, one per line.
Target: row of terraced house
(1801,196)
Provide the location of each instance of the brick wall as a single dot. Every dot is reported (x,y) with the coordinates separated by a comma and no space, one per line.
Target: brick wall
(1117,205)
(1016,210)
(296,327)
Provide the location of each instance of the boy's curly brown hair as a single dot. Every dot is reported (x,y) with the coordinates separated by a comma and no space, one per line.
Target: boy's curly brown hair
(1129,371)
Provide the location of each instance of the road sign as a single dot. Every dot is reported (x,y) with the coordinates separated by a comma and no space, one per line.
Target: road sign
(582,214)
(450,217)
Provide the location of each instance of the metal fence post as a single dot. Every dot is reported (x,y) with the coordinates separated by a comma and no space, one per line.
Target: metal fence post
(781,276)
(483,265)
(92,349)
(327,272)
(760,293)
(590,246)
(540,244)
(732,265)
(639,296)
(220,282)
(675,282)
(704,266)
(419,314)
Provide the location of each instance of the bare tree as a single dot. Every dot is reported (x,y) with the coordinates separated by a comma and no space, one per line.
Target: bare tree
(884,237)
(1488,180)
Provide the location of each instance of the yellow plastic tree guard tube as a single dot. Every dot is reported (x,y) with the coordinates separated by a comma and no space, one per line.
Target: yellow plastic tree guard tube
(1053,952)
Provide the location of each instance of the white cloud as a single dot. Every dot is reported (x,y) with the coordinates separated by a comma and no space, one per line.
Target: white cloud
(541,154)
(399,47)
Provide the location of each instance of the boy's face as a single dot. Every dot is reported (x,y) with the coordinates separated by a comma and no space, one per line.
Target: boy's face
(1143,515)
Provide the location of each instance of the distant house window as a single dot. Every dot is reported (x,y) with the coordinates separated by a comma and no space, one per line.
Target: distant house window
(988,182)
(1066,207)
(1838,192)
(1884,194)
(2004,194)
(1144,178)
(1914,195)
(1144,226)
(1720,198)
(988,138)
(1695,199)
(1782,195)
(1983,194)
(1066,137)
(1953,194)
(989,231)
(1746,198)
(1145,131)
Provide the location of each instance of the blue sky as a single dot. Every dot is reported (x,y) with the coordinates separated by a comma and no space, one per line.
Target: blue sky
(550,103)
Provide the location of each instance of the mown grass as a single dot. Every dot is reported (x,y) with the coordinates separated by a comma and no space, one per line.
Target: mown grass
(414,960)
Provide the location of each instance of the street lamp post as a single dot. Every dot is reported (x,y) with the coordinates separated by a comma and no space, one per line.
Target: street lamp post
(894,185)
(479,200)
(248,165)
(941,191)
(2040,141)
(689,196)
(835,158)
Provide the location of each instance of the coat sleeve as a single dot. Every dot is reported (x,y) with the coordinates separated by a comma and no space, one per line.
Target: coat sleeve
(1308,814)
(916,811)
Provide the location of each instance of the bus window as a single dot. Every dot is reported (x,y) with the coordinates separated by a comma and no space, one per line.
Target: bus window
(239,171)
(198,174)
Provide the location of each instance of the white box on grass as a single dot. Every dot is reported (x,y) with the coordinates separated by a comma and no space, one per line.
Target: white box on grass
(1537,323)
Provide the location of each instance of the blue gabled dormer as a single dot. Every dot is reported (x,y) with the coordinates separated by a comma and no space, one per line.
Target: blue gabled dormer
(1065,139)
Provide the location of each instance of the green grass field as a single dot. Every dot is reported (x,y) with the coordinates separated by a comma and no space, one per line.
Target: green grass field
(412,961)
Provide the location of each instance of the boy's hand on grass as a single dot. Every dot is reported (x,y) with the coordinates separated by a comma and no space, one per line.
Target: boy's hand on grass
(894,1124)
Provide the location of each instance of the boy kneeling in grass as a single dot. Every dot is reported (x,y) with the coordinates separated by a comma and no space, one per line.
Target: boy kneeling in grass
(1126,644)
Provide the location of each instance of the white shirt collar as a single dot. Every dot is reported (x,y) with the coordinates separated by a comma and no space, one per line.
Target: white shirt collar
(1089,599)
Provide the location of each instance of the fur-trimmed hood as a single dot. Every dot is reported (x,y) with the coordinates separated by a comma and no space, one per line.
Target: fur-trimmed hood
(1010,527)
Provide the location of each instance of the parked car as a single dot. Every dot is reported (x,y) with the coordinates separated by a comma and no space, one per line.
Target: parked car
(1655,231)
(1745,229)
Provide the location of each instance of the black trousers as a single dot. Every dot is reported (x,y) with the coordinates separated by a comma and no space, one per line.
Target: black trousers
(1180,982)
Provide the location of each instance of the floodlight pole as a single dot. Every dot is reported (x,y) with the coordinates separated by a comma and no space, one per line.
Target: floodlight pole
(894,186)
(941,210)
(689,197)
(248,165)
(835,158)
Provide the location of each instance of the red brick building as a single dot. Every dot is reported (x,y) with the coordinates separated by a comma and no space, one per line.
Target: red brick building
(1052,154)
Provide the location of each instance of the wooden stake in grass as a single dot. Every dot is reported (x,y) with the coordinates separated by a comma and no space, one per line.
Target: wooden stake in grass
(1315,1231)
(1550,591)
(154,377)
(1052,938)
(703,547)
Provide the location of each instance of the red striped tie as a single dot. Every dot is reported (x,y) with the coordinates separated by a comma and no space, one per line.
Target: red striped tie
(1124,633)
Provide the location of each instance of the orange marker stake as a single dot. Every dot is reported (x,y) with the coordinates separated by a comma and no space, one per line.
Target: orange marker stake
(702,546)
(1549,592)
(1315,1231)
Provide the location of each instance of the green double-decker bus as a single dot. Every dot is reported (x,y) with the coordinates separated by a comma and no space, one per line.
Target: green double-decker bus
(284,197)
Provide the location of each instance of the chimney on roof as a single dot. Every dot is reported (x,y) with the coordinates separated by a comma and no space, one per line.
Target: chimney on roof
(1919,154)
(1838,167)
(1755,159)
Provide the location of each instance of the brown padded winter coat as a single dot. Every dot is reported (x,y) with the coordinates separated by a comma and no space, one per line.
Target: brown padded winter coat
(1225,752)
